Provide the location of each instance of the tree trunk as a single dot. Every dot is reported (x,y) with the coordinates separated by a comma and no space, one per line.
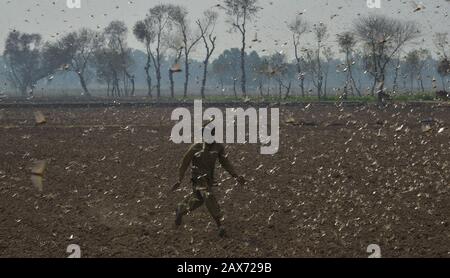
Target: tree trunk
(288,90)
(349,74)
(83,84)
(149,80)
(260,87)
(158,83)
(280,87)
(125,84)
(355,86)
(299,68)
(186,74)
(133,84)
(302,85)
(396,75)
(243,74)
(205,73)
(380,92)
(372,92)
(158,74)
(319,72)
(172,84)
(23,91)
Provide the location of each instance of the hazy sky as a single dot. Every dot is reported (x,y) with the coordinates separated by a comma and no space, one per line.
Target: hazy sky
(53,17)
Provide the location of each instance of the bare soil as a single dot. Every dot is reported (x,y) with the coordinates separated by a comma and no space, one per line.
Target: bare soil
(344,178)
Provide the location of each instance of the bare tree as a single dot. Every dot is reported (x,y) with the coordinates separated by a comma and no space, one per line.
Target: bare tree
(179,16)
(105,61)
(115,34)
(444,70)
(29,60)
(299,27)
(310,66)
(397,67)
(441,43)
(413,66)
(279,70)
(240,13)
(219,71)
(144,31)
(347,43)
(382,38)
(176,45)
(328,54)
(79,48)
(206,27)
(320,32)
(261,70)
(153,30)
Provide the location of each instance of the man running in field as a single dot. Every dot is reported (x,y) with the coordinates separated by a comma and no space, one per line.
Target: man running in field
(203,157)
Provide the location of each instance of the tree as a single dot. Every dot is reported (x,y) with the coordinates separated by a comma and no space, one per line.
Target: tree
(176,45)
(444,70)
(153,32)
(262,71)
(145,33)
(226,66)
(382,38)
(240,13)
(397,64)
(28,60)
(106,70)
(328,54)
(320,32)
(310,66)
(279,69)
(299,27)
(347,43)
(115,34)
(413,66)
(206,27)
(78,49)
(160,16)
(441,43)
(179,16)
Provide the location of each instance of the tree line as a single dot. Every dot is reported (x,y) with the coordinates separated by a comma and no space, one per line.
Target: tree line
(375,45)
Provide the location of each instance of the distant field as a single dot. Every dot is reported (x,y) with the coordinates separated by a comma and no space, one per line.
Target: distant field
(344,178)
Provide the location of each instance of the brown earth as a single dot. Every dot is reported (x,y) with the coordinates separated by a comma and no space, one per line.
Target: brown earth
(344,178)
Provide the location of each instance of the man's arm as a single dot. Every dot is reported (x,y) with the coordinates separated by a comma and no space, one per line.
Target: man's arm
(226,164)
(184,164)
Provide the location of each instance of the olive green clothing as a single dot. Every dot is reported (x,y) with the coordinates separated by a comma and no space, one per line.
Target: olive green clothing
(203,158)
(197,199)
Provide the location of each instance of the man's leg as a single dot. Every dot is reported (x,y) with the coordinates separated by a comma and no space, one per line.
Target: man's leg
(213,209)
(190,203)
